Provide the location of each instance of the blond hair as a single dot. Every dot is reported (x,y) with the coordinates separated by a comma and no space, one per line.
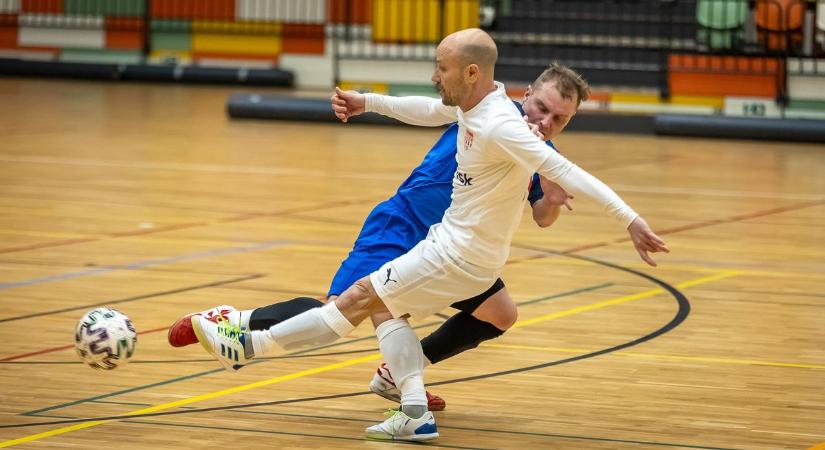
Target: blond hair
(568,82)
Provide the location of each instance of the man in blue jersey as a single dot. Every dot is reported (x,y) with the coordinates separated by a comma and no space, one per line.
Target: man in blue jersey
(397,224)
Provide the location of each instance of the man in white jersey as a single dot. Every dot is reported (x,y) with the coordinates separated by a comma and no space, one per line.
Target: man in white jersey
(462,256)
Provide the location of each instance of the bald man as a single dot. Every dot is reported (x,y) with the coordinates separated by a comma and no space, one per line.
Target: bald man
(462,256)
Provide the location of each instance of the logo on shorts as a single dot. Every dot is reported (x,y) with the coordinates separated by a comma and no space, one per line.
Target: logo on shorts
(389,271)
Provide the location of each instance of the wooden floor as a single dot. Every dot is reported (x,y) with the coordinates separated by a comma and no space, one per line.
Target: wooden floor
(147,198)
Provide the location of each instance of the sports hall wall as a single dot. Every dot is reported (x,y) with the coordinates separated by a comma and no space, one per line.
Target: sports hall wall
(736,58)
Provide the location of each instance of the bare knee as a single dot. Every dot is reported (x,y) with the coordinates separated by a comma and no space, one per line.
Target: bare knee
(357,302)
(498,310)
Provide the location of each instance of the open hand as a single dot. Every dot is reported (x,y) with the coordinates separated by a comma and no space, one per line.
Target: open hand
(645,240)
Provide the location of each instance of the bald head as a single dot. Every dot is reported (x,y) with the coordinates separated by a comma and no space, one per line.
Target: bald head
(464,66)
(473,46)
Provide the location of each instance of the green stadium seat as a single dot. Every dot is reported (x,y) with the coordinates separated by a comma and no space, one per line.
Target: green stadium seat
(721,22)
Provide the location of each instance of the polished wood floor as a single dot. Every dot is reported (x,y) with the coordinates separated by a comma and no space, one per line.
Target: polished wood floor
(147,198)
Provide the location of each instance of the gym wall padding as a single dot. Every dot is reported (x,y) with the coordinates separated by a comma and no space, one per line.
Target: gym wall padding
(139,72)
(255,106)
(802,130)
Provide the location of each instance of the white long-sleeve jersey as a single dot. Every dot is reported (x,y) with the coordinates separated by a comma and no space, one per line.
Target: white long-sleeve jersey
(497,155)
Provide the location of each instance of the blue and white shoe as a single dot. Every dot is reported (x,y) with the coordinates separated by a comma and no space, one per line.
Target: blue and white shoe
(223,340)
(400,427)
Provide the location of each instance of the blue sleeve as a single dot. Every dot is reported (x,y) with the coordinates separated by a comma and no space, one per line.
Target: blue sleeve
(535,190)
(536,193)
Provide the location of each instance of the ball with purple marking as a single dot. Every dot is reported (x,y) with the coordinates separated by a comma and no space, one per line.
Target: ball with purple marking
(105,338)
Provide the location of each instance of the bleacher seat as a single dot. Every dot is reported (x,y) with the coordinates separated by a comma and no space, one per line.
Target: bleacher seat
(722,23)
(779,23)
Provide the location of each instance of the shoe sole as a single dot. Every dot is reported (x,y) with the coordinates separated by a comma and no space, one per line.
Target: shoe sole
(175,325)
(381,436)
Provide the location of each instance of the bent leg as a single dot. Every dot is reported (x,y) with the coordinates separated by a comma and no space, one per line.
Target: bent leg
(482,318)
(318,326)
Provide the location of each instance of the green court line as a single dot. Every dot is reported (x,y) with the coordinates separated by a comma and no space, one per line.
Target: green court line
(286,433)
(525,433)
(210,372)
(565,294)
(475,430)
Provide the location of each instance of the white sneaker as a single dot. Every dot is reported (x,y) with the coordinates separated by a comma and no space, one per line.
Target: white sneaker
(223,340)
(181,334)
(400,427)
(383,385)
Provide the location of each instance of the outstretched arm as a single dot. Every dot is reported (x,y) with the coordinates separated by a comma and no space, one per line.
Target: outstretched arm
(516,140)
(423,111)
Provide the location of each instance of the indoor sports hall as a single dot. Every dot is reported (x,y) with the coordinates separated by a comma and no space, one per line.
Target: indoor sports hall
(162,157)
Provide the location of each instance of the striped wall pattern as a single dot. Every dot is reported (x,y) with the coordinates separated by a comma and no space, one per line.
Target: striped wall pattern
(222,32)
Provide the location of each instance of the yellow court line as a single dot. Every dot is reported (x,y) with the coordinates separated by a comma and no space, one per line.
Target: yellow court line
(195,399)
(351,362)
(628,298)
(750,362)
(820,446)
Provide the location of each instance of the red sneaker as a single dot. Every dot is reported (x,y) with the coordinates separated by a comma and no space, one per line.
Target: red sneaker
(181,332)
(383,385)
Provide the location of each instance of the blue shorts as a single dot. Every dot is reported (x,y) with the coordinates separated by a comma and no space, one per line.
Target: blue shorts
(390,231)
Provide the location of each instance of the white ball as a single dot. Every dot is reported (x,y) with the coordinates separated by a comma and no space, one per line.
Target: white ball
(105,338)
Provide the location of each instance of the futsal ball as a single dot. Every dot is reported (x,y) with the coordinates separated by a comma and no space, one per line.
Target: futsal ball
(105,338)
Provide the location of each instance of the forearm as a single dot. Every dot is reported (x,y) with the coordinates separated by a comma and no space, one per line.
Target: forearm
(414,110)
(580,183)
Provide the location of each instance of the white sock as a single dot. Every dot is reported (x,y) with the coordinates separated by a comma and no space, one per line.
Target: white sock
(241,318)
(317,326)
(403,354)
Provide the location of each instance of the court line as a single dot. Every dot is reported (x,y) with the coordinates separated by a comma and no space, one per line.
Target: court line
(323,369)
(498,431)
(376,175)
(710,359)
(54,349)
(820,446)
(195,399)
(285,433)
(443,427)
(620,300)
(704,224)
(208,168)
(148,263)
(174,227)
(137,297)
(66,347)
(200,374)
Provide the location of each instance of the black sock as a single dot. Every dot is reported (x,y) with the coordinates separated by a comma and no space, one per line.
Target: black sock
(267,316)
(459,333)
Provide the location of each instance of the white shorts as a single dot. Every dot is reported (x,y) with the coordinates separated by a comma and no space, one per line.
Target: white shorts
(426,280)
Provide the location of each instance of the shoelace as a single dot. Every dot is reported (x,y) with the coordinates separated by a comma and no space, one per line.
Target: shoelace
(396,419)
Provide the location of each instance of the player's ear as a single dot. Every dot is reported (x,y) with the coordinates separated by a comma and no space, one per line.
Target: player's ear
(471,73)
(528,92)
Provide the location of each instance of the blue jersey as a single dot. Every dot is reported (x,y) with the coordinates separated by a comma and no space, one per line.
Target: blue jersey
(399,223)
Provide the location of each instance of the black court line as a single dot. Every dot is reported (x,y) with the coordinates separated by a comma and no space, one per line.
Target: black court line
(501,431)
(680,316)
(312,355)
(443,427)
(284,433)
(321,436)
(135,298)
